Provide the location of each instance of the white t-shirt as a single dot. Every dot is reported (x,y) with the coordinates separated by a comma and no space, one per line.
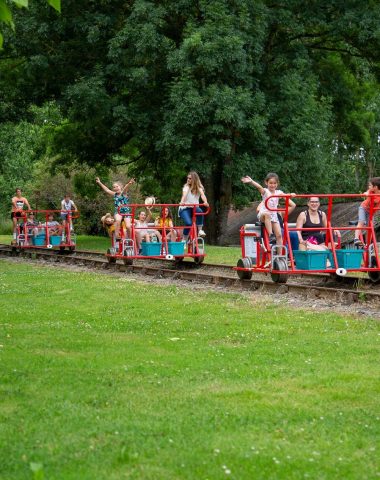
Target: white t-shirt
(141,225)
(190,198)
(53,223)
(272,203)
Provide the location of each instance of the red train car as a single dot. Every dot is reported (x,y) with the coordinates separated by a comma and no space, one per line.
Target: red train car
(165,238)
(41,229)
(258,256)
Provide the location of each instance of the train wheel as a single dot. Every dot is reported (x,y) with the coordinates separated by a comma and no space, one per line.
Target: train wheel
(61,249)
(199,260)
(178,261)
(336,278)
(244,263)
(72,248)
(280,264)
(374,276)
(127,261)
(111,259)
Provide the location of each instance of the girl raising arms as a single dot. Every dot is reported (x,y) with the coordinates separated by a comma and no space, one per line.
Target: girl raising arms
(117,193)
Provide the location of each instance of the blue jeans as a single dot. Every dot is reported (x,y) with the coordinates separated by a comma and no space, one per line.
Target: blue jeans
(187,216)
(294,240)
(363,216)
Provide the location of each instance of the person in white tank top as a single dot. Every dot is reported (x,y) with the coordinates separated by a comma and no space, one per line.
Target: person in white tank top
(191,192)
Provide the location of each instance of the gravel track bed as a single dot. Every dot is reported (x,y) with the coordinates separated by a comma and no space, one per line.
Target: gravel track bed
(308,301)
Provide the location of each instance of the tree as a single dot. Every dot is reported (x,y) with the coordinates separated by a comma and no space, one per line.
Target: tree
(6,14)
(225,88)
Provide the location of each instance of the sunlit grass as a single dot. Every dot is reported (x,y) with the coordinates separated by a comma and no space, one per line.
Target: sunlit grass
(103,377)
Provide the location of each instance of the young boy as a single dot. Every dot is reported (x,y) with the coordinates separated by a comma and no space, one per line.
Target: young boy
(54,227)
(364,209)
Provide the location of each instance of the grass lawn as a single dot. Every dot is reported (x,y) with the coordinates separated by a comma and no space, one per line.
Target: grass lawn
(103,377)
(218,255)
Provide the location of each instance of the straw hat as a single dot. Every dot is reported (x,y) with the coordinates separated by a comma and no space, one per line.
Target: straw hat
(104,218)
(150,201)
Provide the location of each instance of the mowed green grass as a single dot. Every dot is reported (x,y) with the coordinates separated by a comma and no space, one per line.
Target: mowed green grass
(103,377)
(217,255)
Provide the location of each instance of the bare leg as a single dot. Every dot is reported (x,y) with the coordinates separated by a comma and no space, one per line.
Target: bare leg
(268,223)
(277,232)
(358,231)
(128,226)
(317,248)
(118,219)
(173,235)
(14,220)
(138,240)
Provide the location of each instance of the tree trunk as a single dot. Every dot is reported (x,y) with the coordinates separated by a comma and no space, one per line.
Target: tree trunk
(219,195)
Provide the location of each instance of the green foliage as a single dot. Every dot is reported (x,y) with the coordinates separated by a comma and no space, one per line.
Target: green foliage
(6,14)
(18,154)
(225,88)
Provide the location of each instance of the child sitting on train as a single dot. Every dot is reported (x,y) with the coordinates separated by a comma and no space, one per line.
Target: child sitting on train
(54,227)
(108,223)
(269,217)
(143,233)
(364,209)
(165,222)
(32,225)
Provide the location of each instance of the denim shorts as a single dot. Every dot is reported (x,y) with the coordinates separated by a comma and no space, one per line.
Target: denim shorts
(363,216)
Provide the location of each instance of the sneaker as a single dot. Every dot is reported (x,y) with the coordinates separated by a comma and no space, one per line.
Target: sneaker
(272,239)
(201,233)
(358,243)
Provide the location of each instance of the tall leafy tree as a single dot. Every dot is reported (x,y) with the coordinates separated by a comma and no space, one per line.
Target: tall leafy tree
(6,14)
(220,86)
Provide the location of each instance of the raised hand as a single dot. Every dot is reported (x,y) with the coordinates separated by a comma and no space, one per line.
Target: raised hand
(246,179)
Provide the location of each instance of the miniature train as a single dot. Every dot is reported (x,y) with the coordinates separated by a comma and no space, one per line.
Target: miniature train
(259,256)
(162,245)
(39,229)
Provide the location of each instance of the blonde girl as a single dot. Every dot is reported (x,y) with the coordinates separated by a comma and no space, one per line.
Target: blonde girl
(119,198)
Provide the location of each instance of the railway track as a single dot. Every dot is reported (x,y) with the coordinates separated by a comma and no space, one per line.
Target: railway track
(314,286)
